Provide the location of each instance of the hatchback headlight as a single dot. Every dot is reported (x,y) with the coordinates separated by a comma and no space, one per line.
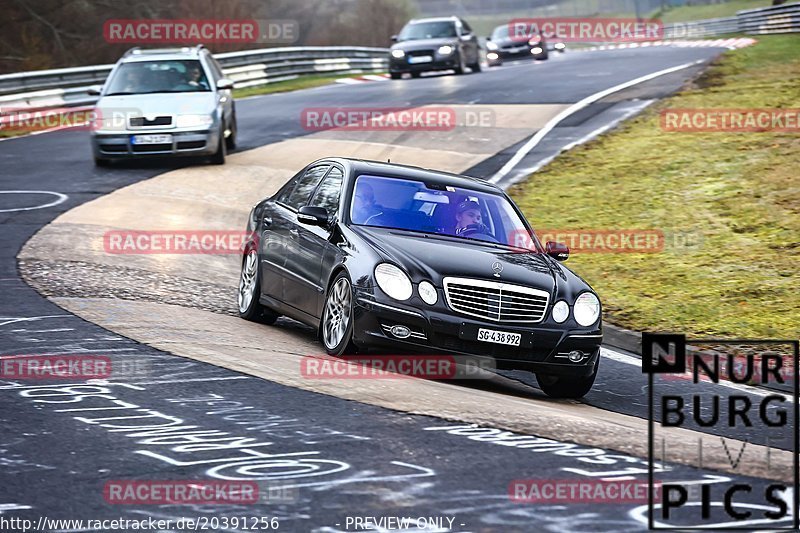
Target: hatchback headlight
(194,121)
(587,309)
(491,46)
(445,50)
(398,54)
(560,311)
(393,281)
(427,292)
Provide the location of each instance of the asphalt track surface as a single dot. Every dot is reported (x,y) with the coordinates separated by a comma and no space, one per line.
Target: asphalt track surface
(329,459)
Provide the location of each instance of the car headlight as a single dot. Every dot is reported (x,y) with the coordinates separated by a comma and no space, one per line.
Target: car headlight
(492,56)
(393,281)
(427,292)
(536,50)
(491,46)
(445,50)
(398,54)
(560,46)
(587,309)
(560,311)
(192,121)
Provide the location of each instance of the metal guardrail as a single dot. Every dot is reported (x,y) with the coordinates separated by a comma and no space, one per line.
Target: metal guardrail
(767,20)
(68,87)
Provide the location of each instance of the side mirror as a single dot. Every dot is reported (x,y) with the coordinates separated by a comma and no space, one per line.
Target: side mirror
(556,250)
(94,90)
(393,38)
(225,83)
(313,216)
(488,38)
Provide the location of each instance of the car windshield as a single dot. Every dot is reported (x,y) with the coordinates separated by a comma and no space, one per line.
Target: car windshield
(427,30)
(170,76)
(411,205)
(500,32)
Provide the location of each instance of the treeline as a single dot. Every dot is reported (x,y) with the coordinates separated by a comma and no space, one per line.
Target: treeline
(42,34)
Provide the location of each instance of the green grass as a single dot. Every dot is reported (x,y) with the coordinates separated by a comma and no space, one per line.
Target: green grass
(303,82)
(710,11)
(739,193)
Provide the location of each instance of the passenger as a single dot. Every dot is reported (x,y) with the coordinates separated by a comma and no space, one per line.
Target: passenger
(364,207)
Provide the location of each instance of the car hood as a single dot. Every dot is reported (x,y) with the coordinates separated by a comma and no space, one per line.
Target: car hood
(424,44)
(434,257)
(160,104)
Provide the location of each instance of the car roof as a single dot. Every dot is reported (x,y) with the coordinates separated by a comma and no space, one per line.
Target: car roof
(434,19)
(145,54)
(427,175)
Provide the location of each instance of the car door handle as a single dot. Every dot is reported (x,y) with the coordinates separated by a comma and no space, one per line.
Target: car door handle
(294,232)
(267,221)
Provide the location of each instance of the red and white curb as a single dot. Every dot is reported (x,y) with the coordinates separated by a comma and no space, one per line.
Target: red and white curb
(731,44)
(363,79)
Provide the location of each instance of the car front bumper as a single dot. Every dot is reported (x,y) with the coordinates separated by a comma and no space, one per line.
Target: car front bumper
(119,145)
(438,63)
(543,348)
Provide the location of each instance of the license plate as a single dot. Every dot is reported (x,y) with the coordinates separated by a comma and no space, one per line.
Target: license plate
(420,59)
(517,49)
(499,337)
(151,139)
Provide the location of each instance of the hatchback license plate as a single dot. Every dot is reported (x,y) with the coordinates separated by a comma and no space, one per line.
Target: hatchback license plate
(420,59)
(151,139)
(499,337)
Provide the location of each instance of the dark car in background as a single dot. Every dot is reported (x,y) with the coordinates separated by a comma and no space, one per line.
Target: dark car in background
(385,256)
(512,47)
(423,45)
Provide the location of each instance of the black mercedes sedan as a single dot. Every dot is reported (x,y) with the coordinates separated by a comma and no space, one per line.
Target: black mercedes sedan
(510,47)
(391,257)
(446,43)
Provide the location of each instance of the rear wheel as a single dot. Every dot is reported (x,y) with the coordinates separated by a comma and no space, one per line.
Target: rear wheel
(567,386)
(336,327)
(250,289)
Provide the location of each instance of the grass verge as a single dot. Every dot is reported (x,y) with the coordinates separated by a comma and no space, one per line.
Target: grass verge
(738,194)
(303,82)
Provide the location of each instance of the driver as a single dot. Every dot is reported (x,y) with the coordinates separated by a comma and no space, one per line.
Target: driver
(469,219)
(195,78)
(364,207)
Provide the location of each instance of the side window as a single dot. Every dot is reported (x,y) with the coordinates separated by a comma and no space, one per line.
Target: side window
(216,72)
(329,190)
(305,186)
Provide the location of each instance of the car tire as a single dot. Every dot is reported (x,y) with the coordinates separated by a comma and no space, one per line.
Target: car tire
(219,156)
(336,326)
(416,74)
(460,67)
(249,290)
(476,67)
(230,141)
(100,162)
(567,386)
(396,75)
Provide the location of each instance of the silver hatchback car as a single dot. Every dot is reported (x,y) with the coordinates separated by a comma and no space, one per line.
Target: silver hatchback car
(164,102)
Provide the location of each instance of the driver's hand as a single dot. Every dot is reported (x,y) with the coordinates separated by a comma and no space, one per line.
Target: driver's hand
(472,229)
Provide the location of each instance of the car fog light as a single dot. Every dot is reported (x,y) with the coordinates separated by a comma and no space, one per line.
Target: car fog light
(401,332)
(560,311)
(536,50)
(492,56)
(575,356)
(427,292)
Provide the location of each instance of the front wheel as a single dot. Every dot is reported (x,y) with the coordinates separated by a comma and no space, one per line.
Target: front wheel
(336,328)
(396,75)
(230,140)
(567,386)
(460,66)
(250,289)
(222,149)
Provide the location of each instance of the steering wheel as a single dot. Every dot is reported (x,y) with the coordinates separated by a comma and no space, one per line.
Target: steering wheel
(477,231)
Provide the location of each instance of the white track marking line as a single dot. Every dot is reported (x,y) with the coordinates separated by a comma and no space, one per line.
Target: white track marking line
(536,139)
(60,198)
